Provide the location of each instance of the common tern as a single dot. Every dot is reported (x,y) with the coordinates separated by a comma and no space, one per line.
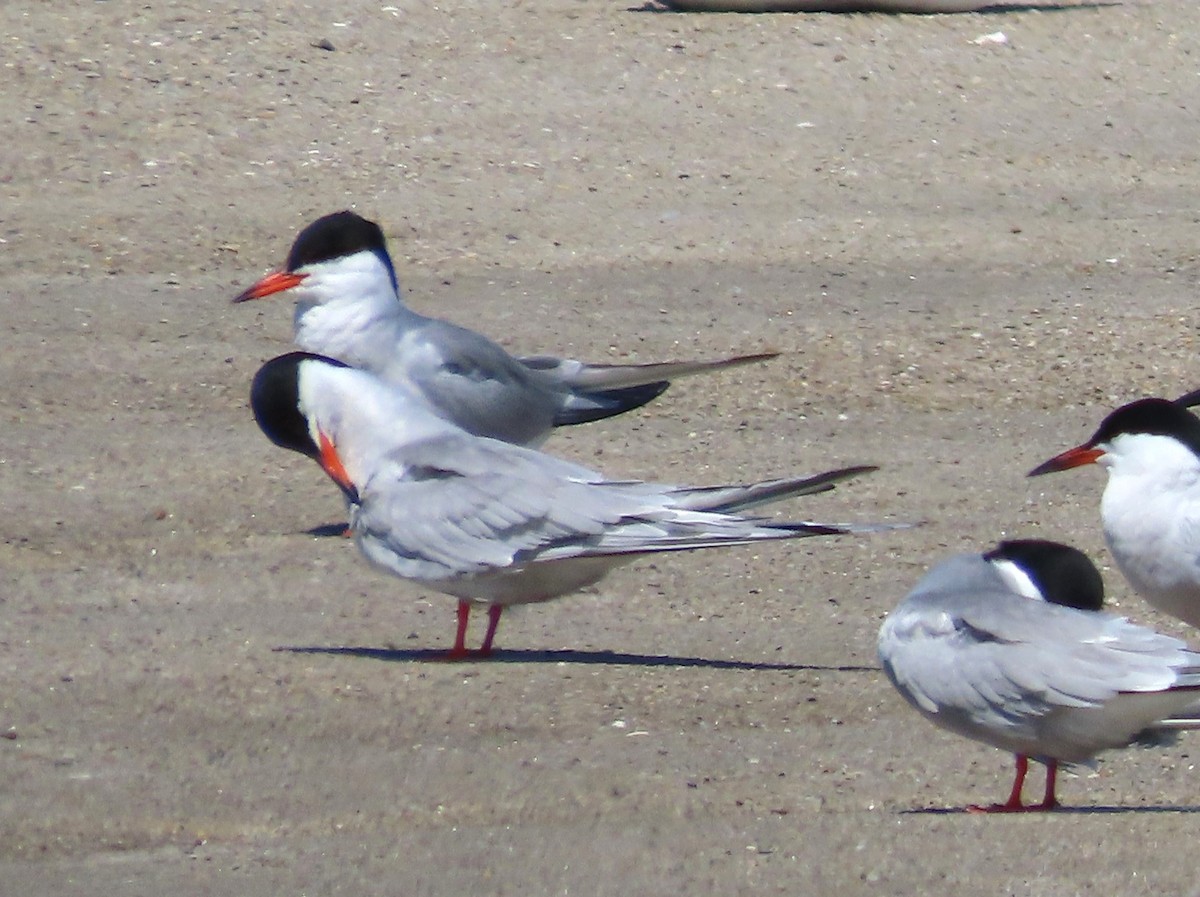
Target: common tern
(1011,648)
(486,521)
(1150,509)
(349,307)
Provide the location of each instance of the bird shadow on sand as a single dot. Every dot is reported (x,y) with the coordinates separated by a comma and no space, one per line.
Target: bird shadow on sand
(992,9)
(997,9)
(605,658)
(327,530)
(1102,810)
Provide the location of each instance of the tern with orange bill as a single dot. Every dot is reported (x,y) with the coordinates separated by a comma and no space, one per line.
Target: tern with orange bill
(1150,510)
(488,522)
(349,307)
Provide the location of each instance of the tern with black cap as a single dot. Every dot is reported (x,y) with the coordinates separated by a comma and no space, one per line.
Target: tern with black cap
(1012,648)
(1150,510)
(349,306)
(489,522)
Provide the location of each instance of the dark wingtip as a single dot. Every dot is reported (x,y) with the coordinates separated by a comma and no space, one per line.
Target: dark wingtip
(1190,400)
(609,403)
(858,469)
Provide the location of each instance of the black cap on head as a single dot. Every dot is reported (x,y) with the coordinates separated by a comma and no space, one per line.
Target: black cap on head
(337,236)
(1064,575)
(1155,417)
(275,400)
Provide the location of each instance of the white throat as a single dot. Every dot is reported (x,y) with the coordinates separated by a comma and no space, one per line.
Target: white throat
(1154,457)
(348,309)
(1017,579)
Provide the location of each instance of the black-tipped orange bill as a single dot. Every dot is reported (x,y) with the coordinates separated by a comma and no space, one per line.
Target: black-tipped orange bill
(332,465)
(273,283)
(1076,457)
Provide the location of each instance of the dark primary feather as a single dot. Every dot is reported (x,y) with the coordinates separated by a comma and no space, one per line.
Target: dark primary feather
(1189,400)
(583,408)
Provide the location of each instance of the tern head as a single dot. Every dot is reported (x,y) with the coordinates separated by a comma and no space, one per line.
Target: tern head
(1154,435)
(339,256)
(286,397)
(1049,571)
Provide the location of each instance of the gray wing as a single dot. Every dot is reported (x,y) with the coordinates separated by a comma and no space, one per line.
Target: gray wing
(964,646)
(731,499)
(591,392)
(579,375)
(474,383)
(456,506)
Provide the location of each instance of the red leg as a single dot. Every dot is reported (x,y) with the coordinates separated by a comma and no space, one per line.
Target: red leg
(1013,804)
(459,651)
(1050,801)
(494,612)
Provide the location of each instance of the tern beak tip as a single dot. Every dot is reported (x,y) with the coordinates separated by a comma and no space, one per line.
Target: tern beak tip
(1044,468)
(1075,457)
(332,464)
(275,282)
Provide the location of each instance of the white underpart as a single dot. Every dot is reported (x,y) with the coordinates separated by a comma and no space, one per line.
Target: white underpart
(1151,516)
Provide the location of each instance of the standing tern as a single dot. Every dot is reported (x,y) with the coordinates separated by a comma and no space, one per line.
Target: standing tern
(349,307)
(486,521)
(1150,509)
(1011,648)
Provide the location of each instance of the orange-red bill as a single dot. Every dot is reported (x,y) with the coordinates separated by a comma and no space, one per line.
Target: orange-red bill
(275,282)
(332,465)
(1076,457)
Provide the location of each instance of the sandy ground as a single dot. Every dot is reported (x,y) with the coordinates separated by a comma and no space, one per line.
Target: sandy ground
(968,252)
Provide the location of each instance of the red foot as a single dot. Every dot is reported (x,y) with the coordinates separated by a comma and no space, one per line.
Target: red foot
(460,652)
(1013,804)
(458,655)
(1011,808)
